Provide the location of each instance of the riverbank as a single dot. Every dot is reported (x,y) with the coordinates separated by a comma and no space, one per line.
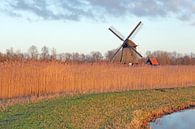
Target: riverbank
(132,109)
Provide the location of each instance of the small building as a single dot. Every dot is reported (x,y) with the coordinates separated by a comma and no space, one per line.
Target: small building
(152,61)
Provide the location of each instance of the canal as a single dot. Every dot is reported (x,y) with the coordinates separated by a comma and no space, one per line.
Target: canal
(179,120)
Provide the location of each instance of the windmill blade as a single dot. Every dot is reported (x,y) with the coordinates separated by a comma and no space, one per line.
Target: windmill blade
(136,51)
(117,33)
(116,53)
(134,30)
(122,55)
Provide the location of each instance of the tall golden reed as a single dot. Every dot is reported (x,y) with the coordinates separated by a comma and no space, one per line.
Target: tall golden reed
(39,78)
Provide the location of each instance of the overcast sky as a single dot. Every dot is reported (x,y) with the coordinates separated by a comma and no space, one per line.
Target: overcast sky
(82,25)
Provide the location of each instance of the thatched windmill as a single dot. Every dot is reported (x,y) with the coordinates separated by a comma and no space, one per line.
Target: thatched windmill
(129,54)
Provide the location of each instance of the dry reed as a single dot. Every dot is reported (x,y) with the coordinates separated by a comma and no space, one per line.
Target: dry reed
(41,78)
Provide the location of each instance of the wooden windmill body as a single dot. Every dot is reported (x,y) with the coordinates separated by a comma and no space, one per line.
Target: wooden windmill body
(128,54)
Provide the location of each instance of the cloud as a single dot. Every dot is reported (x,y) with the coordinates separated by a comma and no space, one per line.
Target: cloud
(98,9)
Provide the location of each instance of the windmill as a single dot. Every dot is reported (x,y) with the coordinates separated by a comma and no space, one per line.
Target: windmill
(129,54)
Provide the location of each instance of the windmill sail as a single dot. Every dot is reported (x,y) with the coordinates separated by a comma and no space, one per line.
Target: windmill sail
(117,33)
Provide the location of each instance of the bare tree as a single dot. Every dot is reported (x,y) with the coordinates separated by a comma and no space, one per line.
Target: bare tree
(61,56)
(19,55)
(148,53)
(33,52)
(10,52)
(53,54)
(83,57)
(109,54)
(68,57)
(96,56)
(10,55)
(75,56)
(45,53)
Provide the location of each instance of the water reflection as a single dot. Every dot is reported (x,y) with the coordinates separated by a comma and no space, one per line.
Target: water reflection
(179,120)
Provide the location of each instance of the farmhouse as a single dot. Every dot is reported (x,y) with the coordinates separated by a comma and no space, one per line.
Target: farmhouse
(152,61)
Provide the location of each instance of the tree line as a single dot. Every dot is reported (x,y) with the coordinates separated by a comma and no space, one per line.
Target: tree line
(172,58)
(46,54)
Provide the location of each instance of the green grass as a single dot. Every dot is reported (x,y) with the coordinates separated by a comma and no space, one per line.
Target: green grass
(105,110)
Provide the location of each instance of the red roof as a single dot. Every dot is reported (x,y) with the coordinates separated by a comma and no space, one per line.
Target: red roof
(153,61)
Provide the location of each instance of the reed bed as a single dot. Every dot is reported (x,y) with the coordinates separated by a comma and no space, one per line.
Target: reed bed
(33,78)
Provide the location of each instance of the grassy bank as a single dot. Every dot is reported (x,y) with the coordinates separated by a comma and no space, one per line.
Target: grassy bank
(130,109)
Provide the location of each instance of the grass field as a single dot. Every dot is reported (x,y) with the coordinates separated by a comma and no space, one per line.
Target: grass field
(130,109)
(35,78)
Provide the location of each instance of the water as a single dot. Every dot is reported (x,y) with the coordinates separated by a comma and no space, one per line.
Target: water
(179,120)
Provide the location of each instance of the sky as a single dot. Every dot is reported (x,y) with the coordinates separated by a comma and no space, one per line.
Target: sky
(82,25)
